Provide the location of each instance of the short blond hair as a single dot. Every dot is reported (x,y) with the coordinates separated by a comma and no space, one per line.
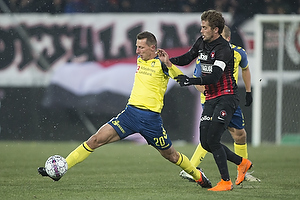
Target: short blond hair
(226,32)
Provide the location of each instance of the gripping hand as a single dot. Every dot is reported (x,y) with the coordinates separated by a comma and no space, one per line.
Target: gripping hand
(248,98)
(184,80)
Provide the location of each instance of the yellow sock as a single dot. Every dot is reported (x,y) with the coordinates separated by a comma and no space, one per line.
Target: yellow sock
(187,166)
(78,155)
(198,155)
(241,150)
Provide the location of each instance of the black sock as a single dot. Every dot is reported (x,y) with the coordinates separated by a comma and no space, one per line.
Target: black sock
(221,161)
(232,157)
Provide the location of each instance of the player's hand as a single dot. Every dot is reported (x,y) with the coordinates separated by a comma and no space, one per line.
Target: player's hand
(249,99)
(183,80)
(164,57)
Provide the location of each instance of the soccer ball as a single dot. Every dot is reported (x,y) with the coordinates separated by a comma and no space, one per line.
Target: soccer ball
(56,166)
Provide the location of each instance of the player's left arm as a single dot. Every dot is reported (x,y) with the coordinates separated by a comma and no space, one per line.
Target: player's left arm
(246,75)
(247,79)
(174,71)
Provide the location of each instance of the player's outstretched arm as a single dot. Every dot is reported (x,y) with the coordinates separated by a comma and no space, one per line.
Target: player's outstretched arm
(212,78)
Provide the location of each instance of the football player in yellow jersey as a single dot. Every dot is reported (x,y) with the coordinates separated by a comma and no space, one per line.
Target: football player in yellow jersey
(237,123)
(142,113)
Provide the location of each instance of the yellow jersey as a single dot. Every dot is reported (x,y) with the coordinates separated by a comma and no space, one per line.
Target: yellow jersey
(150,84)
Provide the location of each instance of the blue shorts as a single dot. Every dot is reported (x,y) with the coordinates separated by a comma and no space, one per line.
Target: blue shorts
(147,123)
(237,121)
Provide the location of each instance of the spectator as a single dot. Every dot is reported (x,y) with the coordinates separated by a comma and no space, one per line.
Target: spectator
(168,6)
(125,5)
(57,7)
(240,9)
(75,6)
(12,5)
(277,7)
(144,6)
(222,5)
(53,6)
(24,6)
(195,5)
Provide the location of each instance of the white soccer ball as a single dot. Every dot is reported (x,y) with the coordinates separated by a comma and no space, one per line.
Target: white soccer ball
(56,166)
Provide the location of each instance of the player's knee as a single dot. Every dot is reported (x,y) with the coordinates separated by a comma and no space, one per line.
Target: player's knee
(97,140)
(240,140)
(170,154)
(213,145)
(93,142)
(174,158)
(205,146)
(239,136)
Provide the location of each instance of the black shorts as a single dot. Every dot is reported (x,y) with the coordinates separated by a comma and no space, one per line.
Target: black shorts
(220,109)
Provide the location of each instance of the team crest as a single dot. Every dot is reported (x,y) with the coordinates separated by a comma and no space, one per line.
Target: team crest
(223,113)
(153,64)
(212,55)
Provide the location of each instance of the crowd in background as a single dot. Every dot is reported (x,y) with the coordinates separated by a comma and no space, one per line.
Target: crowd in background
(241,10)
(236,7)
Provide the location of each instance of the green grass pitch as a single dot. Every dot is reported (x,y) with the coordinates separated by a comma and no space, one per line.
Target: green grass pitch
(126,170)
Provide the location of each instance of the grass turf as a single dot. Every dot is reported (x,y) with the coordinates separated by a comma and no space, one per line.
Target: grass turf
(125,170)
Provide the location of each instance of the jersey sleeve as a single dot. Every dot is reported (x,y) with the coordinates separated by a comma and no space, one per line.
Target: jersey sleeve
(174,71)
(198,69)
(244,60)
(188,57)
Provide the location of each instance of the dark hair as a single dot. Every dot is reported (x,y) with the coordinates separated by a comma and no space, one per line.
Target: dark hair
(151,39)
(214,18)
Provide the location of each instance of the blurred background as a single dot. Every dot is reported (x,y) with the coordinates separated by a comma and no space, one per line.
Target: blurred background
(67,66)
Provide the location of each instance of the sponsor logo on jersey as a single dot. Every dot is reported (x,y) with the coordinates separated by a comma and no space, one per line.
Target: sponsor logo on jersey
(205,118)
(207,68)
(203,56)
(220,118)
(137,69)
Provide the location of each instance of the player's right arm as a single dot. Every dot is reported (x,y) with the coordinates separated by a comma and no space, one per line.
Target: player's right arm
(188,57)
(200,88)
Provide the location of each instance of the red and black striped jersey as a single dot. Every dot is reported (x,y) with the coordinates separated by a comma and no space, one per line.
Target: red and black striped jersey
(217,60)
